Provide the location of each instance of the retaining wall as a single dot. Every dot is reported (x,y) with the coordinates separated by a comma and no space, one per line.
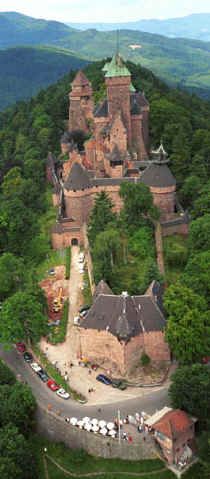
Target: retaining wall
(55,429)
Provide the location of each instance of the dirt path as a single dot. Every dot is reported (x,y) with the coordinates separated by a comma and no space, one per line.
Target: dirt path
(104,473)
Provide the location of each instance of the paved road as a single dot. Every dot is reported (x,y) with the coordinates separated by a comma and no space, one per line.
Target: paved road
(150,401)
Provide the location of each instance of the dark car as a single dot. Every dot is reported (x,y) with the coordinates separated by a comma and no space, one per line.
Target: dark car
(28,357)
(104,379)
(119,384)
(43,375)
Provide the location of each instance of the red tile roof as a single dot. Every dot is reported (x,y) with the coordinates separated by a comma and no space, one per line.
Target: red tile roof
(173,423)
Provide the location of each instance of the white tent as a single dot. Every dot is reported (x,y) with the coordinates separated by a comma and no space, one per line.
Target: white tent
(73,421)
(94,421)
(110,425)
(102,423)
(104,431)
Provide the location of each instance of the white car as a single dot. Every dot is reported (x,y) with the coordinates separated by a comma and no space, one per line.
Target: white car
(76,320)
(62,393)
(35,367)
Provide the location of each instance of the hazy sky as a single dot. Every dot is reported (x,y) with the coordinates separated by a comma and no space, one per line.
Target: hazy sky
(104,11)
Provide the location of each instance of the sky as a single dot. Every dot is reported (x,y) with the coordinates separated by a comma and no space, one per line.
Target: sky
(104,11)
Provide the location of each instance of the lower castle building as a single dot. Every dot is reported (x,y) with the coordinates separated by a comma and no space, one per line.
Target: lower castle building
(118,329)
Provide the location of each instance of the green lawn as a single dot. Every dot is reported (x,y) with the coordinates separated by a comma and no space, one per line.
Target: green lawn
(54,258)
(175,257)
(79,462)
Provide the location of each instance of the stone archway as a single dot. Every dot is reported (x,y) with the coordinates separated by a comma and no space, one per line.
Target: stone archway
(74,242)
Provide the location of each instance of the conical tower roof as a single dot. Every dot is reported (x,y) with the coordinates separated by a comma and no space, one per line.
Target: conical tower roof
(116,68)
(158,173)
(78,178)
(80,79)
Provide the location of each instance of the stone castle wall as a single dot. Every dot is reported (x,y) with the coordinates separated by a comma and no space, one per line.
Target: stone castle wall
(55,429)
(156,347)
(99,345)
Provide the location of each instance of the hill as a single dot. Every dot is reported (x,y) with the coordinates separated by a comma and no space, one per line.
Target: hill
(25,70)
(17,29)
(178,61)
(196,26)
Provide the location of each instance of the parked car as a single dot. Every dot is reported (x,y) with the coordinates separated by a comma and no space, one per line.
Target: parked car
(119,384)
(76,320)
(83,314)
(84,308)
(43,375)
(52,385)
(104,379)
(28,357)
(35,367)
(51,272)
(21,347)
(62,393)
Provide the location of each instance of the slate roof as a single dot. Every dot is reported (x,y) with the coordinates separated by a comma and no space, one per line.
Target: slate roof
(101,110)
(158,175)
(78,178)
(102,288)
(124,316)
(173,423)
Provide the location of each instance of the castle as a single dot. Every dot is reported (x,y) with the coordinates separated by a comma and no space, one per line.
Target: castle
(117,150)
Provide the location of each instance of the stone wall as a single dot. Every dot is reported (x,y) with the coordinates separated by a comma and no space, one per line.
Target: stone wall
(54,428)
(156,347)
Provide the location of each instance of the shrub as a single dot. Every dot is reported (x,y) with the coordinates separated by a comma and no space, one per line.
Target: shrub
(145,360)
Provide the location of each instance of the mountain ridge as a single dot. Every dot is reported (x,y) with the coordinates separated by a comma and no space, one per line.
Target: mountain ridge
(195,26)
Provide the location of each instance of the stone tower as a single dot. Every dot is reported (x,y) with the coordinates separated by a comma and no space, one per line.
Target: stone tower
(118,82)
(81,103)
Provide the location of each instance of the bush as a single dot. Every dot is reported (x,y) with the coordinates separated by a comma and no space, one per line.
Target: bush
(145,360)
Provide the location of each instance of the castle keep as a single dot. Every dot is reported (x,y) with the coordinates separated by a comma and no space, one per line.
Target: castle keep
(117,150)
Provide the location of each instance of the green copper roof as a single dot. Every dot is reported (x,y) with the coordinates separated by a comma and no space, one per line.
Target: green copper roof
(105,67)
(116,68)
(132,88)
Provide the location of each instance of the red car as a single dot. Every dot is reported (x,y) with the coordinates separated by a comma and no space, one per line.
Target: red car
(21,347)
(52,385)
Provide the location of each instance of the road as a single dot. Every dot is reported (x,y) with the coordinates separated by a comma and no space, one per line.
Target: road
(150,400)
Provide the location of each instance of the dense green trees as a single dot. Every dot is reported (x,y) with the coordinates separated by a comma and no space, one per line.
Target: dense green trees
(101,215)
(188,325)
(16,423)
(138,204)
(190,390)
(12,274)
(16,455)
(22,318)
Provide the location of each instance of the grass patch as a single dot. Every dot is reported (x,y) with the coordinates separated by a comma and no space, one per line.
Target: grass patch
(58,333)
(68,262)
(87,295)
(55,374)
(81,463)
(54,258)
(175,257)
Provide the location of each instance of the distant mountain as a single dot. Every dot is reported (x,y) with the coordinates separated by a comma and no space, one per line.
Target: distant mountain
(195,26)
(178,61)
(17,29)
(25,70)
